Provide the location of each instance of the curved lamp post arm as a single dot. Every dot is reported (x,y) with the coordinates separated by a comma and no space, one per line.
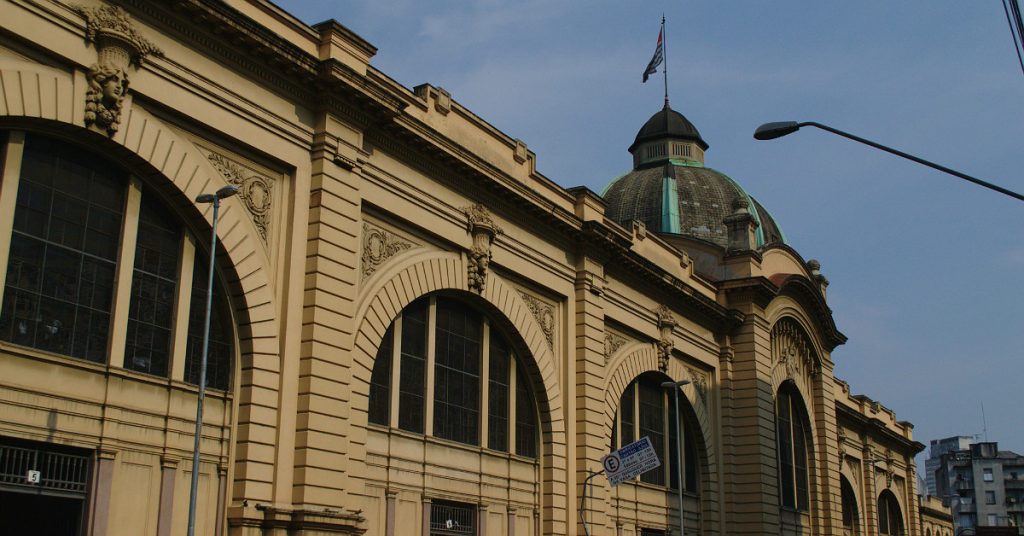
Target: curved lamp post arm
(770,131)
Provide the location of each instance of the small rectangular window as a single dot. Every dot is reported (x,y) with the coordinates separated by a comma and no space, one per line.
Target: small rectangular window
(990,497)
(987,475)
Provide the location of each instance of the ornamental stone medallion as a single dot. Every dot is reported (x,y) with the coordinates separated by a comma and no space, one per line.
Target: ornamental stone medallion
(612,342)
(255,190)
(118,46)
(380,245)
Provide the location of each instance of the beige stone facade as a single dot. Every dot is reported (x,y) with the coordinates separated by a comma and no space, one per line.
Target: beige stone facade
(936,519)
(422,334)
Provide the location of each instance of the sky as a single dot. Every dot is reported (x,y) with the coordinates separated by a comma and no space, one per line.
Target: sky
(925,268)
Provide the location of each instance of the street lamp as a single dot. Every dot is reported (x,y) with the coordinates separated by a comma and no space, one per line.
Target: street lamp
(770,131)
(674,386)
(214,198)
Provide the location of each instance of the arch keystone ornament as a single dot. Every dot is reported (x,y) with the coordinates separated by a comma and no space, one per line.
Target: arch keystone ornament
(666,323)
(483,230)
(118,46)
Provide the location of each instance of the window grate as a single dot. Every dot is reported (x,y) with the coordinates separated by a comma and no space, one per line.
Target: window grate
(58,472)
(452,519)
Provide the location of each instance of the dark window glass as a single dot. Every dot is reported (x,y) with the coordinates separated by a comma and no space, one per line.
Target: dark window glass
(380,382)
(412,381)
(457,373)
(497,394)
(219,355)
(652,425)
(154,290)
(63,252)
(626,406)
(690,475)
(673,445)
(526,416)
(890,521)
(800,459)
(690,462)
(784,431)
(850,516)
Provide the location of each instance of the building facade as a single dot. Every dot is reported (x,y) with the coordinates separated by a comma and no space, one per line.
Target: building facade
(414,332)
(983,486)
(936,448)
(936,519)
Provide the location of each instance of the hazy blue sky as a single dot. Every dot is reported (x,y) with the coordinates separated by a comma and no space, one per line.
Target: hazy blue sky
(925,268)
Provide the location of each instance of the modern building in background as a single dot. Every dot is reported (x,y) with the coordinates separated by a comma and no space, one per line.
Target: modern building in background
(936,449)
(414,331)
(983,486)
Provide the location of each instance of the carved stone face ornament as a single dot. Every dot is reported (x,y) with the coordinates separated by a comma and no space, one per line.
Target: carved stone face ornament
(118,47)
(483,230)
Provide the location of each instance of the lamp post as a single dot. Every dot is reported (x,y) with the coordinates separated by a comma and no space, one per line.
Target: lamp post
(675,386)
(770,131)
(214,198)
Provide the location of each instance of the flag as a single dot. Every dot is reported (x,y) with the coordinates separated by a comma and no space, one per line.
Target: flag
(659,55)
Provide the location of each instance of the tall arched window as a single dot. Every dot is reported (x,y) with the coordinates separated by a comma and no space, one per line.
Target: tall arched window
(851,518)
(792,430)
(458,378)
(890,519)
(648,410)
(100,270)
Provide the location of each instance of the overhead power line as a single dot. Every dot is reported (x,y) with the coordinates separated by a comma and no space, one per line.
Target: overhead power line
(1013,18)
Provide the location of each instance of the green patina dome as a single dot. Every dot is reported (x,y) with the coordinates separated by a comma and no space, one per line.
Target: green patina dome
(676,195)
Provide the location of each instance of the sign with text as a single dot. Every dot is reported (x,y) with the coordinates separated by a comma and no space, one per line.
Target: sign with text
(630,461)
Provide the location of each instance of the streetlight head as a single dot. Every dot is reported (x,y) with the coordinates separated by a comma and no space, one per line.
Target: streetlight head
(227,191)
(205,198)
(770,131)
(670,385)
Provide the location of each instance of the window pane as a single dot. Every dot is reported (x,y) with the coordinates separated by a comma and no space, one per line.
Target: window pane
(457,373)
(652,425)
(154,290)
(497,394)
(526,416)
(783,431)
(412,380)
(220,353)
(59,290)
(626,406)
(800,457)
(380,381)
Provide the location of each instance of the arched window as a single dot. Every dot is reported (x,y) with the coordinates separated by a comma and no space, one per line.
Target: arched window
(792,430)
(890,519)
(648,410)
(457,378)
(100,270)
(851,517)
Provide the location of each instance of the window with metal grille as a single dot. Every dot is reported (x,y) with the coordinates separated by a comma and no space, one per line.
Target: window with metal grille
(218,359)
(58,472)
(452,518)
(380,381)
(414,367)
(526,417)
(497,394)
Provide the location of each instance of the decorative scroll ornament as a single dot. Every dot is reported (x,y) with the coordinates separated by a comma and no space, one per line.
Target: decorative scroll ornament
(118,46)
(483,229)
(256,191)
(666,322)
(544,314)
(612,343)
(379,246)
(700,383)
(792,349)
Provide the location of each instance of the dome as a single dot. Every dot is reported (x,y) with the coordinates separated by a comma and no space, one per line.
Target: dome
(673,193)
(668,123)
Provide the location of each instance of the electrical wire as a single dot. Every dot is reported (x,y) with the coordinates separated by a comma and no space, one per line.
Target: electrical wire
(1016,28)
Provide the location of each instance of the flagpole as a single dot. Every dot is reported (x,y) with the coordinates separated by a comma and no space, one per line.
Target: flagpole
(664,55)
